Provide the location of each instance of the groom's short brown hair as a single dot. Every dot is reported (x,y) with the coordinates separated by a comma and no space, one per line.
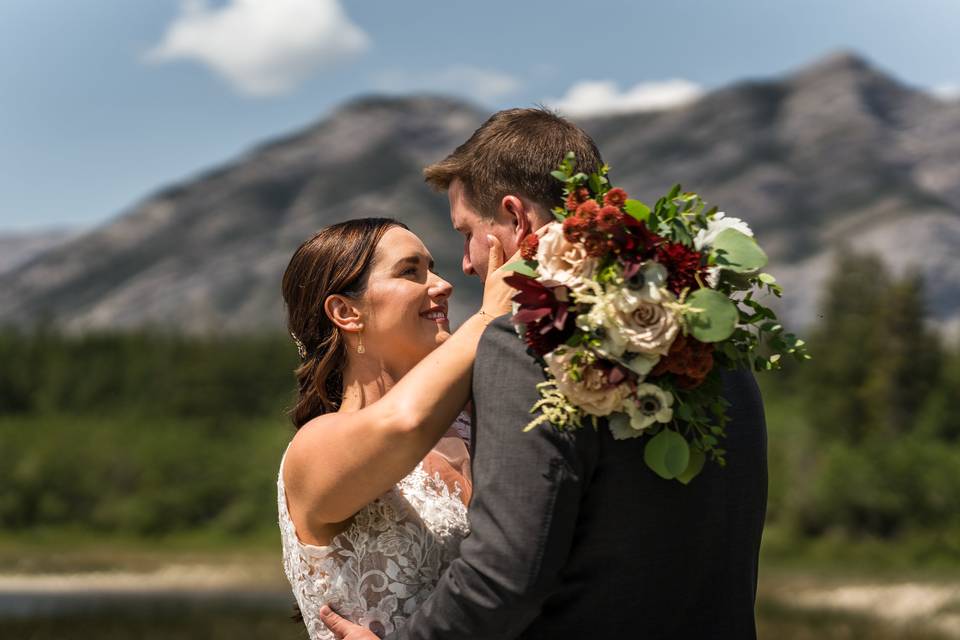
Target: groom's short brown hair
(514,151)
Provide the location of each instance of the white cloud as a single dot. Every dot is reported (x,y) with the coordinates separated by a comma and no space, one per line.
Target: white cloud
(262,47)
(480,84)
(603,97)
(948,92)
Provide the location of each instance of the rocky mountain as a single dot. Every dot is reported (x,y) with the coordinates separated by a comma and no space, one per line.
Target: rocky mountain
(833,155)
(17,247)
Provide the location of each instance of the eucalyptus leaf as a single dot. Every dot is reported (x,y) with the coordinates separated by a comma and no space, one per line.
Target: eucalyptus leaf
(738,281)
(694,467)
(559,175)
(667,454)
(523,267)
(717,318)
(738,252)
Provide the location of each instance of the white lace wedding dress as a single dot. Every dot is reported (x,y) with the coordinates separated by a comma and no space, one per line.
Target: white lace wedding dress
(388,560)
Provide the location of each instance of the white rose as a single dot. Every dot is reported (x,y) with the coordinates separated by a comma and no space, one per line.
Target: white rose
(561,261)
(644,324)
(592,393)
(718,224)
(599,321)
(633,320)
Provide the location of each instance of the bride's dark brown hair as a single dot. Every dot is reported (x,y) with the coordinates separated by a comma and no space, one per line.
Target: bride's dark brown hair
(337,259)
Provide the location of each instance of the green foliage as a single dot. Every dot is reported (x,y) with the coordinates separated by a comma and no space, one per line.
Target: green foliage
(863,439)
(715,317)
(638,210)
(140,476)
(151,374)
(882,487)
(738,252)
(668,454)
(878,361)
(152,435)
(142,433)
(523,267)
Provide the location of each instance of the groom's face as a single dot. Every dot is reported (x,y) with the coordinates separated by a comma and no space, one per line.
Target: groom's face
(474,228)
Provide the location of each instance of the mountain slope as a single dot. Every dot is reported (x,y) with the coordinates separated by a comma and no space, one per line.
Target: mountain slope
(837,153)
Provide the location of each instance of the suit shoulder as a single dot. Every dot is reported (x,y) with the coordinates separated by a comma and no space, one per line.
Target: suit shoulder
(500,340)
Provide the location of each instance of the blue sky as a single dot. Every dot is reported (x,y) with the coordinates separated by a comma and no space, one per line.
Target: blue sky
(104,101)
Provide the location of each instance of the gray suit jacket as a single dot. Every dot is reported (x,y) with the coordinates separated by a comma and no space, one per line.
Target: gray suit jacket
(572,536)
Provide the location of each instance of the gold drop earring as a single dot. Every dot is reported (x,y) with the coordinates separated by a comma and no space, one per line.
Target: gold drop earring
(360,348)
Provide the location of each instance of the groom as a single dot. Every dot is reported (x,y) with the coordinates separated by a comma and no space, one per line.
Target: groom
(572,536)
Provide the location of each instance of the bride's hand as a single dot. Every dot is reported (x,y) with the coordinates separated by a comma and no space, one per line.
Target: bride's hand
(496,292)
(344,629)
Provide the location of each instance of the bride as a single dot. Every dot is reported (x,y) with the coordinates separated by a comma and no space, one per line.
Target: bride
(373,487)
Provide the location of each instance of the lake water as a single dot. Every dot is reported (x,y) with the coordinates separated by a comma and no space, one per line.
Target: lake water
(184,615)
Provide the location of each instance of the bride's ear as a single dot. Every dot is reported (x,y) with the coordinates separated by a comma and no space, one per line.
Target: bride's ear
(519,213)
(343,313)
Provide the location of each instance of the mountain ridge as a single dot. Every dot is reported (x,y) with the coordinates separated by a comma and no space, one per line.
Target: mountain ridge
(835,154)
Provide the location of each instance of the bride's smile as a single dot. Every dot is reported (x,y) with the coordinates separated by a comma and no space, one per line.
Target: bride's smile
(405,303)
(438,315)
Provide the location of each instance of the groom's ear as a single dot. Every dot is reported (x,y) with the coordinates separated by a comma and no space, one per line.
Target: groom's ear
(520,215)
(343,312)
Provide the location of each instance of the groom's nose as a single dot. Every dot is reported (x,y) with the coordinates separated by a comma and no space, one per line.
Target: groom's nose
(466,264)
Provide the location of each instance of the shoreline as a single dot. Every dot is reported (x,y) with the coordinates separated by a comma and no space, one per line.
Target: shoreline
(170,578)
(900,603)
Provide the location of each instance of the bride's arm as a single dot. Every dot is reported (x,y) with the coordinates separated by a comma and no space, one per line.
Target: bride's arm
(344,461)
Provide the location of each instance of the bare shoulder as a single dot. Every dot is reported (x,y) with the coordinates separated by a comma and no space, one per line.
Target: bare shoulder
(307,448)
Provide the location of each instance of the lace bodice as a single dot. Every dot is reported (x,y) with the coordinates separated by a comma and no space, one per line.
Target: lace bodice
(380,569)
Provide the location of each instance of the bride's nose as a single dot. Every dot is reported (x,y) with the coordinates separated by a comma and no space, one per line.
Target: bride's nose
(439,288)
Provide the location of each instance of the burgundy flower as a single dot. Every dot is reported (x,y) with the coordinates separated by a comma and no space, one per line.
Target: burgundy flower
(683,265)
(637,244)
(544,310)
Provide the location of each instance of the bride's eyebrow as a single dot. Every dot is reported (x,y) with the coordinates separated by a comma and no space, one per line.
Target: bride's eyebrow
(415,261)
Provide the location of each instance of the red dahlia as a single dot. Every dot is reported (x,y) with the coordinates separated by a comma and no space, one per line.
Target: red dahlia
(596,245)
(616,197)
(574,227)
(588,209)
(576,197)
(528,247)
(609,219)
(689,360)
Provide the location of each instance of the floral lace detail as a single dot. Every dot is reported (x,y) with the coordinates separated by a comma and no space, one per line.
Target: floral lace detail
(385,564)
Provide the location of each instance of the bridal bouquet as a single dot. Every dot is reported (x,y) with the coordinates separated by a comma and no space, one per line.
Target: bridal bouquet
(634,308)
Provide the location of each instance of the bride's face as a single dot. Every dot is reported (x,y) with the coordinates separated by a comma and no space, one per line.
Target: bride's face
(405,302)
